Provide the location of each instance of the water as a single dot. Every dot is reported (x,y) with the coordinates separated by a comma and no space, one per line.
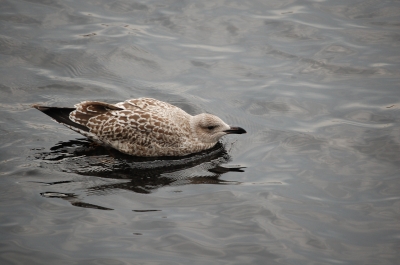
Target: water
(314,181)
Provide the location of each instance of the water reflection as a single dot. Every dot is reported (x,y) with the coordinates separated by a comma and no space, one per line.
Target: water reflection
(137,174)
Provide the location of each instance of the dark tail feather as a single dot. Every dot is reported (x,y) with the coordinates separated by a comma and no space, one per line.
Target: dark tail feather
(61,115)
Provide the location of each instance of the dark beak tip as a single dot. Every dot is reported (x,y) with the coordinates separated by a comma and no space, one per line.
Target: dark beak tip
(236,130)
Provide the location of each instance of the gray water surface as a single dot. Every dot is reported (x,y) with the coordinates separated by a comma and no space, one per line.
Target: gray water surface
(316,180)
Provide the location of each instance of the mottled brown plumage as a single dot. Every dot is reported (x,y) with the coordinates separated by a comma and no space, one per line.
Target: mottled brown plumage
(143,126)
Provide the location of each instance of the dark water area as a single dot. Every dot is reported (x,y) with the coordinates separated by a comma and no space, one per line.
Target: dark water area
(316,179)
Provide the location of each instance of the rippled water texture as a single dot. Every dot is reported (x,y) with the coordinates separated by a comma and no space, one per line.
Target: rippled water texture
(315,180)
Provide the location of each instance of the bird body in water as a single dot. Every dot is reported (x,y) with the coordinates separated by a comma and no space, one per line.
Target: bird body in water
(143,126)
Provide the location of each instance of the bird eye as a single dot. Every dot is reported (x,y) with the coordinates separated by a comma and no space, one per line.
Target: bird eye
(211,127)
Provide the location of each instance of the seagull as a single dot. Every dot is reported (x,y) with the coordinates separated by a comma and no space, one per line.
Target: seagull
(143,127)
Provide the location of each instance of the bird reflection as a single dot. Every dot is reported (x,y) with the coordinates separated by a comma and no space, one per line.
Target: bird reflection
(137,174)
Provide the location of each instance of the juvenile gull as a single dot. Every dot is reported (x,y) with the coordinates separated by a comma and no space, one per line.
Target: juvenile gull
(143,126)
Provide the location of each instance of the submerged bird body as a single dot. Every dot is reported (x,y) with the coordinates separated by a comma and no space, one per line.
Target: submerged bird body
(143,126)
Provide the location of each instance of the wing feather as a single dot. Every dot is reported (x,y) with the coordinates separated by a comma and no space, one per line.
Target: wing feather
(89,109)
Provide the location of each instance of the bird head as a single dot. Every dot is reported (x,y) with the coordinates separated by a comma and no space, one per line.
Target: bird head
(209,128)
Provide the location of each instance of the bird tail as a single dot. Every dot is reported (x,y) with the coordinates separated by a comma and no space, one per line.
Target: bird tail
(61,115)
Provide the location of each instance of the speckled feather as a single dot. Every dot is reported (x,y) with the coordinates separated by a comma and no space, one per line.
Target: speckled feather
(146,127)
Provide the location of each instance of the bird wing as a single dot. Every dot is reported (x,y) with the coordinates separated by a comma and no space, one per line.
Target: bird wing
(146,104)
(127,130)
(133,126)
(89,109)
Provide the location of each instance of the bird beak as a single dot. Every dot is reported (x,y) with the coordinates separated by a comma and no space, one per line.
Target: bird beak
(235,130)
